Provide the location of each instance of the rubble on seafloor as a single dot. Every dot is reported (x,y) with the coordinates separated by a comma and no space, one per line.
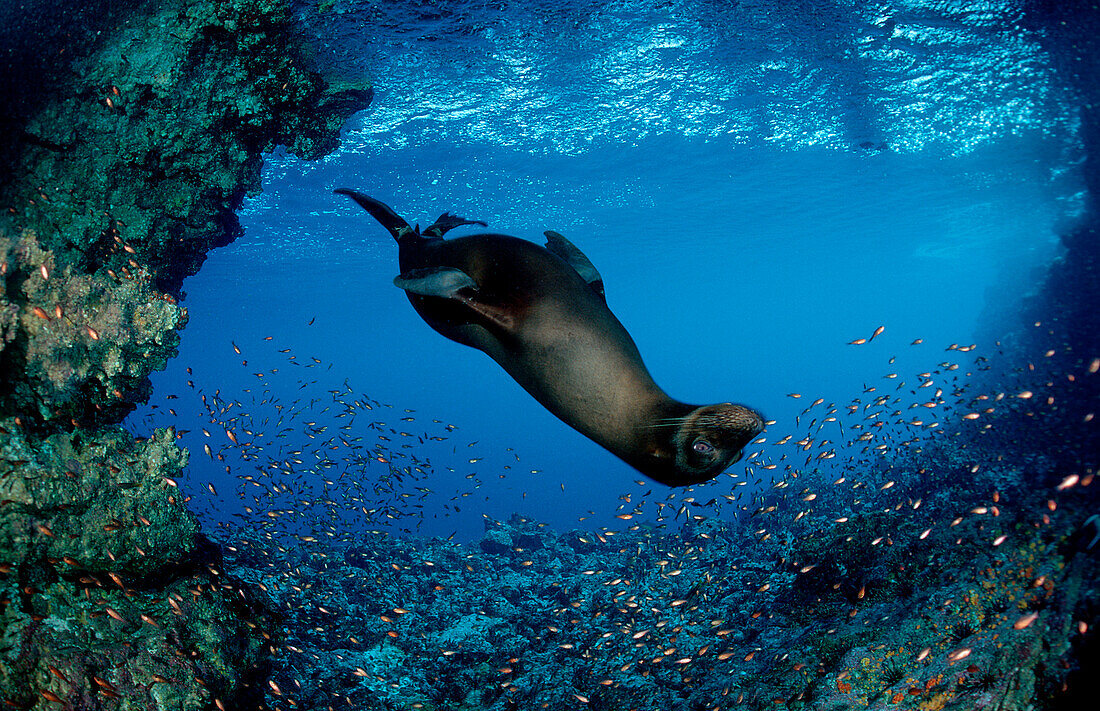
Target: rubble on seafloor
(140,130)
(873,612)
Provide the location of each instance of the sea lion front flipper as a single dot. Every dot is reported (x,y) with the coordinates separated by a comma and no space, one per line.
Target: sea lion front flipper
(444,282)
(458,286)
(565,249)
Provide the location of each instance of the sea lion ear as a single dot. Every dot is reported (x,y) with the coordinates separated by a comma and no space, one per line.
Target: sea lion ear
(565,249)
(457,286)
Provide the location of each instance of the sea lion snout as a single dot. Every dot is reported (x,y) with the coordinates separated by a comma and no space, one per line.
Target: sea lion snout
(712,437)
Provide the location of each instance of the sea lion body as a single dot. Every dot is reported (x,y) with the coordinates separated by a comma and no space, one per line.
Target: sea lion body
(559,324)
(540,313)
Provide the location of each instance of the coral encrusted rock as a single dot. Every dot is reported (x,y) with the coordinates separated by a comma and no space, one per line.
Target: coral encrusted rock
(138,132)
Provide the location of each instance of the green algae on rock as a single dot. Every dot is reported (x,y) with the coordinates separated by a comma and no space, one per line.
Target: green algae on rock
(87,639)
(98,501)
(87,345)
(103,573)
(132,168)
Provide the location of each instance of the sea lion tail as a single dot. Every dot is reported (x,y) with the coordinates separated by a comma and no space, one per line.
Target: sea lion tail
(379,211)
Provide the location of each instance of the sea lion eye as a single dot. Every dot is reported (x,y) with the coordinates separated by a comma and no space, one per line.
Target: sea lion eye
(702,446)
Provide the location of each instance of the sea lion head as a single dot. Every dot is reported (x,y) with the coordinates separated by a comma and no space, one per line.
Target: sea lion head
(712,437)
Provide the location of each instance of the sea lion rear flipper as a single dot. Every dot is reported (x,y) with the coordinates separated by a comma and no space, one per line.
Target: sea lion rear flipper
(446,222)
(379,211)
(458,286)
(565,249)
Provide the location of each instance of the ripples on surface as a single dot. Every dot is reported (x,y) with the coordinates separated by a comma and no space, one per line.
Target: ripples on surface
(558,76)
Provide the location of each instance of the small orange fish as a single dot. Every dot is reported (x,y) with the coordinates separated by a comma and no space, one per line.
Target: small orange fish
(92,333)
(857,342)
(1025,621)
(103,683)
(959,654)
(57,672)
(50,696)
(1068,482)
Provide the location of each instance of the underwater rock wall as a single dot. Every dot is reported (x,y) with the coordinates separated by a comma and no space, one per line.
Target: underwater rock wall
(140,131)
(1071,291)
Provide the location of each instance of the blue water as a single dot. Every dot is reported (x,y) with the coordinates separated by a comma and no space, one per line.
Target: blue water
(709,163)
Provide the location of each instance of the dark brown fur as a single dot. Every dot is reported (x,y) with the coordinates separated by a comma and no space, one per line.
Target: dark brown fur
(552,331)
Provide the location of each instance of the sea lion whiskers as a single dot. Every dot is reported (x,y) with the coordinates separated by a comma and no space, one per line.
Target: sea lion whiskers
(668,422)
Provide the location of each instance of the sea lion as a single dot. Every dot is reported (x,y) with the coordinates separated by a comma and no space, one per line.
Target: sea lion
(540,312)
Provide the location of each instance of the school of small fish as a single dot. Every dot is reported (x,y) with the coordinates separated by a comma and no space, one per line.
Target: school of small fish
(328,489)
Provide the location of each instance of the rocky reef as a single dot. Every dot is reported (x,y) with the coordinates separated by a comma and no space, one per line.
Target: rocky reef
(140,131)
(970,598)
